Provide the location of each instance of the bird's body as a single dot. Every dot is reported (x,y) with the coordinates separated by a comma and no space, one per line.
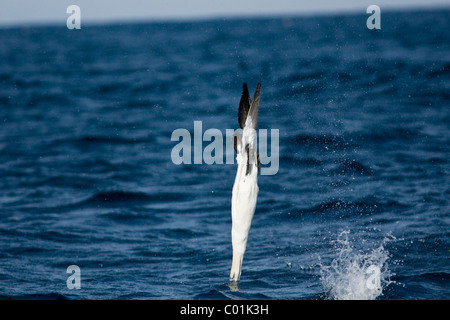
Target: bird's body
(245,189)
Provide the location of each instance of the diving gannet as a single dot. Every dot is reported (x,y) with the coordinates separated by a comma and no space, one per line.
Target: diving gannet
(245,189)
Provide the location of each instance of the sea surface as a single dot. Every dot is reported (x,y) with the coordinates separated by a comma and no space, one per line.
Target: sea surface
(359,208)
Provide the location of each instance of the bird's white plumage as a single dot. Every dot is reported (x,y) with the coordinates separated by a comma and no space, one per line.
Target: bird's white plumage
(244,196)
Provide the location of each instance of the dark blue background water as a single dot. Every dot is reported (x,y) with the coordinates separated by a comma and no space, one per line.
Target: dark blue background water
(86,176)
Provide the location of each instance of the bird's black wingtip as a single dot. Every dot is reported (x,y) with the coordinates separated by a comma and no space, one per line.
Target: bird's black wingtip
(244,105)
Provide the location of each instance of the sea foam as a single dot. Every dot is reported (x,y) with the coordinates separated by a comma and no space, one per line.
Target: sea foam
(355,274)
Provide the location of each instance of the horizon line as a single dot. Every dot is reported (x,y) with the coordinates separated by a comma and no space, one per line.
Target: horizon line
(214,17)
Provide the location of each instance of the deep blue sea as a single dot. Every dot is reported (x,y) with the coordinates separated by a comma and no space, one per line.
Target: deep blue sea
(359,208)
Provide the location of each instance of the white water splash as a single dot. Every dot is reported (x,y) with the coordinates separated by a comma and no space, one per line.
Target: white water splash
(355,275)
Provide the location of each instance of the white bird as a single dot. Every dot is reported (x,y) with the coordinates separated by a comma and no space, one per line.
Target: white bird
(245,189)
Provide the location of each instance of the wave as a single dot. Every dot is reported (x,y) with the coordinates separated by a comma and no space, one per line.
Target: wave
(230,292)
(307,162)
(45,98)
(352,167)
(36,296)
(442,71)
(356,139)
(355,275)
(48,235)
(125,196)
(102,139)
(110,88)
(437,277)
(115,199)
(386,135)
(130,217)
(369,204)
(326,141)
(212,295)
(182,233)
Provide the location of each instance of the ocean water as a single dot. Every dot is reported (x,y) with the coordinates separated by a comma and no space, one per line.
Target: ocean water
(359,208)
